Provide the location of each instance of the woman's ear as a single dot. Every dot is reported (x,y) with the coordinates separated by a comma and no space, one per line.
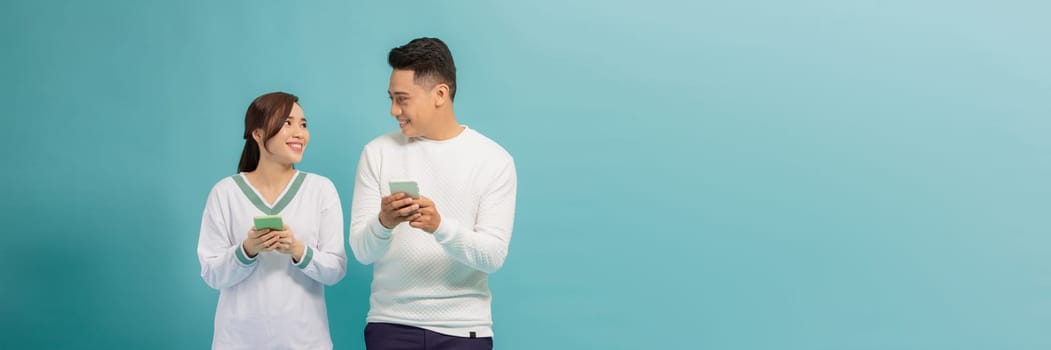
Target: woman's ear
(257,135)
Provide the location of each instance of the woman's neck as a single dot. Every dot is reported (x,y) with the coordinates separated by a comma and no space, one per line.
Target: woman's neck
(269,177)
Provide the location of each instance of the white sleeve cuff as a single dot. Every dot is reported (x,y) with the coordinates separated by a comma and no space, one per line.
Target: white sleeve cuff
(377,229)
(447,230)
(242,255)
(308,254)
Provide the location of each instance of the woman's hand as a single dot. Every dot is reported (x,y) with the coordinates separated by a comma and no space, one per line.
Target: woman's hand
(258,241)
(288,244)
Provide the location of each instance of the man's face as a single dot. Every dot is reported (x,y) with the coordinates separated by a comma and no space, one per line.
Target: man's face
(411,104)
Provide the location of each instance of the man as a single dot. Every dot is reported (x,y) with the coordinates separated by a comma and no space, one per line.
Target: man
(432,254)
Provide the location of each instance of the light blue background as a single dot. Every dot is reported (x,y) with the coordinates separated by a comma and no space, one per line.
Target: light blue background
(692,174)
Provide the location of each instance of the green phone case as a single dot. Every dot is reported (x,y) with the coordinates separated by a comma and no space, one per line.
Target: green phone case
(272,222)
(408,186)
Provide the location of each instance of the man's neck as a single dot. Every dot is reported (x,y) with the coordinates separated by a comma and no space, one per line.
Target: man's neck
(448,129)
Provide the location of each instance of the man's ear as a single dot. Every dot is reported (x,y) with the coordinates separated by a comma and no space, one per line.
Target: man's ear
(441,94)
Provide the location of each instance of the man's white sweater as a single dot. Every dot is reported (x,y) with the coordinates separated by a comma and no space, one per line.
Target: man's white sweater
(435,281)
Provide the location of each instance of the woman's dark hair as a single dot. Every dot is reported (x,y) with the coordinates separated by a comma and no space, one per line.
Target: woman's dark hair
(429,59)
(267,112)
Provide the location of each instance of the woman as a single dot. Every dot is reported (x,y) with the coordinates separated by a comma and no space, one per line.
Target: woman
(271,282)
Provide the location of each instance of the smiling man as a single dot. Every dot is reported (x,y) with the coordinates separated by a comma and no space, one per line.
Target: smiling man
(433,254)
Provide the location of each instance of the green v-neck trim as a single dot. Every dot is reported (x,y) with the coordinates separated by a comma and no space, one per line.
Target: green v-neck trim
(258,202)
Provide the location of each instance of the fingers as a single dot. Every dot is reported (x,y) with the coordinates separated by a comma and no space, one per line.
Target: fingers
(287,242)
(271,242)
(426,219)
(396,201)
(421,212)
(399,207)
(283,246)
(408,210)
(257,238)
(419,215)
(402,204)
(421,222)
(388,201)
(256,234)
(413,218)
(280,241)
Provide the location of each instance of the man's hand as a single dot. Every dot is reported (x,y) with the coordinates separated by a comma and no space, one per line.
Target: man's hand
(426,217)
(397,208)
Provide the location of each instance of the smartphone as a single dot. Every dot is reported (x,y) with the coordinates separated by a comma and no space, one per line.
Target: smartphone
(272,222)
(408,186)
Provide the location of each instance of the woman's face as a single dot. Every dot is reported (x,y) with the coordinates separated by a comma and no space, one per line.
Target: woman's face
(287,146)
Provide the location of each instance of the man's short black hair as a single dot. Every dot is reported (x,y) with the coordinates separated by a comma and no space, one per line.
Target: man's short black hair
(429,59)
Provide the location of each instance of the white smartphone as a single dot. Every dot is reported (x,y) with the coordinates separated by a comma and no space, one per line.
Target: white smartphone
(408,186)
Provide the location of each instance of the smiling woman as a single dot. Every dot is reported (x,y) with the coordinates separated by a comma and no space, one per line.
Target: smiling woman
(287,291)
(267,116)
